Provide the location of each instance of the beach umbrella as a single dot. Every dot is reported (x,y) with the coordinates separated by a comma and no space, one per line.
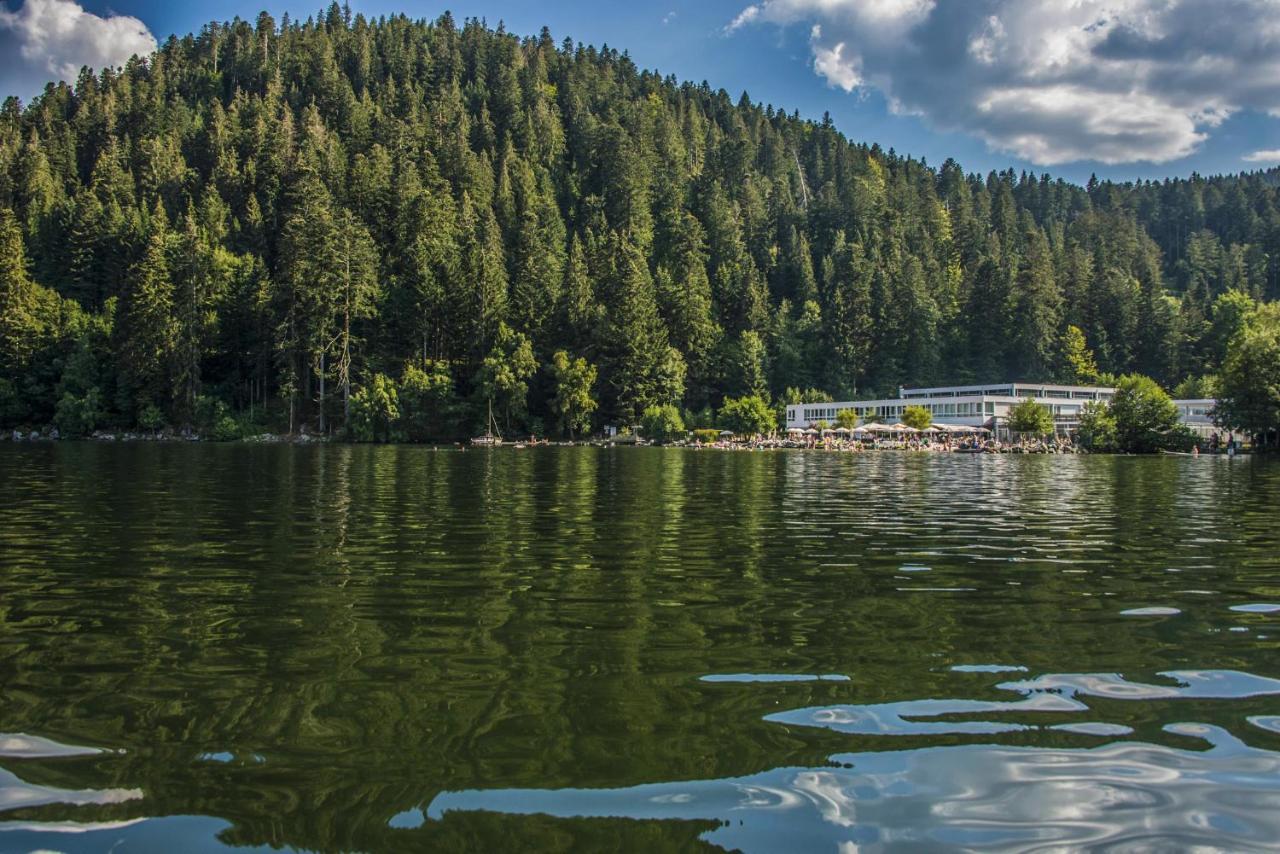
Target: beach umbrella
(795,429)
(903,428)
(878,428)
(843,430)
(726,432)
(811,432)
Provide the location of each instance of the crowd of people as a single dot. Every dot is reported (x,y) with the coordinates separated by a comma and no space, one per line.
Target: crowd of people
(971,443)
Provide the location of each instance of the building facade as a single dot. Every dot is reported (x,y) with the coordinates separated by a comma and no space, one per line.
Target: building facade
(1198,415)
(970,405)
(988,406)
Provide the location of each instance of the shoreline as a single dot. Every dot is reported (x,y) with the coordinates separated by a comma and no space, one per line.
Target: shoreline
(307,439)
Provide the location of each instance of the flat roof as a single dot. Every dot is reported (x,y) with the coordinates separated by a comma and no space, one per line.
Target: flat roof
(984,386)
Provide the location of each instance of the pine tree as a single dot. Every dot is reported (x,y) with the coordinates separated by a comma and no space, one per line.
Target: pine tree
(195,285)
(21,327)
(846,314)
(1036,311)
(480,302)
(308,298)
(637,372)
(357,284)
(423,260)
(148,331)
(684,297)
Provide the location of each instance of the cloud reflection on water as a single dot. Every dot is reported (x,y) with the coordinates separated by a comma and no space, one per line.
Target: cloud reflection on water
(996,798)
(986,796)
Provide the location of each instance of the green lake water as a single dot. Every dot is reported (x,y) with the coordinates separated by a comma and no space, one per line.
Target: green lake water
(396,648)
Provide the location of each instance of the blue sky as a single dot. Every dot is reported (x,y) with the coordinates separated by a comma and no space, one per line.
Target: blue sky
(1121,88)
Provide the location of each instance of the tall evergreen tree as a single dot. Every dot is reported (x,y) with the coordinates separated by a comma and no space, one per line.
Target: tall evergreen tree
(148,331)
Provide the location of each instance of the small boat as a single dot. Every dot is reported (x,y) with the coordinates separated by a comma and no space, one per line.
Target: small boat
(491,438)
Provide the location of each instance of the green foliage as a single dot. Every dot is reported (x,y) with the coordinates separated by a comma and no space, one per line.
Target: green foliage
(1030,417)
(375,408)
(645,370)
(1144,416)
(1206,387)
(147,334)
(1249,399)
(793,396)
(228,429)
(700,419)
(79,415)
(13,406)
(427,401)
(347,196)
(216,422)
(1078,364)
(662,423)
(1231,312)
(1096,430)
(918,417)
(20,324)
(150,417)
(572,404)
(209,411)
(706,435)
(746,368)
(504,374)
(747,416)
(849,418)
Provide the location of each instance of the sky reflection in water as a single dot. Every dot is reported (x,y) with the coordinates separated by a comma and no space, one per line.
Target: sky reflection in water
(992,797)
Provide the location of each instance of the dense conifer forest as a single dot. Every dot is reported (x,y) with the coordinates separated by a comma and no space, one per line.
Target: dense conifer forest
(386,226)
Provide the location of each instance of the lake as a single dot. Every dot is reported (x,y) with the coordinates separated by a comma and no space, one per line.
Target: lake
(396,648)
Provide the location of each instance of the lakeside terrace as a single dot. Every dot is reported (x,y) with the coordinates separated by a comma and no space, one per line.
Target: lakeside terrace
(969,405)
(988,406)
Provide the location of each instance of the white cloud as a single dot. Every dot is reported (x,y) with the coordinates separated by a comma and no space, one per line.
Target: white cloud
(668,18)
(46,40)
(746,16)
(832,64)
(1268,155)
(1051,81)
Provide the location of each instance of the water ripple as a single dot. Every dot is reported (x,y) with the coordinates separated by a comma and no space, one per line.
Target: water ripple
(997,798)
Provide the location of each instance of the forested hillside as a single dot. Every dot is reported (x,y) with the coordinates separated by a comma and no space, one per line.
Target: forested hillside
(266,219)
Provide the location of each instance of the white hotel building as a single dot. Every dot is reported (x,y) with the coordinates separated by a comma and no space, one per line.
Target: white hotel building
(987,406)
(971,405)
